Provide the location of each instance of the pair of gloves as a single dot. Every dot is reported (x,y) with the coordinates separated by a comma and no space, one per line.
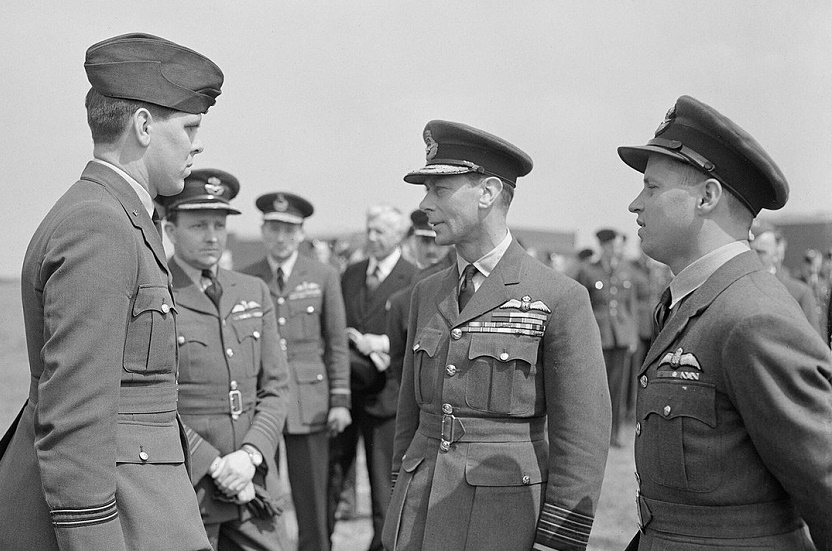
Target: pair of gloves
(262,506)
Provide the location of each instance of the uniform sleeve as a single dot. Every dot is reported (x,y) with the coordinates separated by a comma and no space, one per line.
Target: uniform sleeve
(579,417)
(336,351)
(88,275)
(779,380)
(407,414)
(272,384)
(202,453)
(397,331)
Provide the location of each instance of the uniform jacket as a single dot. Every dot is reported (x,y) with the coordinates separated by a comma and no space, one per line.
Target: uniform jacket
(612,293)
(734,406)
(311,322)
(97,460)
(367,313)
(804,296)
(546,369)
(235,348)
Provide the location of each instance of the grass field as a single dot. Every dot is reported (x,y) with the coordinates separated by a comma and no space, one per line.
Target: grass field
(615,521)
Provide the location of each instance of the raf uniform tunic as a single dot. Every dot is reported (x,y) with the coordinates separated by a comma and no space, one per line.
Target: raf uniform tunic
(233,381)
(503,420)
(734,412)
(97,459)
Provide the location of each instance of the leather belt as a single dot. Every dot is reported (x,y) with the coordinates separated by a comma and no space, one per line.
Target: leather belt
(718,521)
(450,429)
(132,399)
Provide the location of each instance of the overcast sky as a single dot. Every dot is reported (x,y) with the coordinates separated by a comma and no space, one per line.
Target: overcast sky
(329,99)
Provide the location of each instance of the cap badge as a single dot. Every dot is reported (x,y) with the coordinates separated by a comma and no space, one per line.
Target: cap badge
(668,118)
(214,186)
(431,146)
(280,203)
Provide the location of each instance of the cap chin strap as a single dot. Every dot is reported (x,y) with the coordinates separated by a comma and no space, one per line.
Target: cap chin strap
(698,161)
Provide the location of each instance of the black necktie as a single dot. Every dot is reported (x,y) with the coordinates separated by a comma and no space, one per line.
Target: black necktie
(466,290)
(661,313)
(278,278)
(157,221)
(214,289)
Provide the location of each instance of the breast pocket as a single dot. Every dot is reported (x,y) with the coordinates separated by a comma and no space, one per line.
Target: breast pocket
(150,342)
(425,347)
(249,331)
(194,350)
(502,377)
(678,447)
(304,318)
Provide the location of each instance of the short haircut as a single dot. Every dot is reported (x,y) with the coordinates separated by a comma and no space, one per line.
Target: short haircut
(108,117)
(396,218)
(736,207)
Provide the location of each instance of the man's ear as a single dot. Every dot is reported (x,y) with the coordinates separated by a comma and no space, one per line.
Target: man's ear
(492,187)
(711,195)
(140,125)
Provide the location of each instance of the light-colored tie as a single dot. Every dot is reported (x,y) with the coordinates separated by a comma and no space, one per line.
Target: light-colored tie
(374,279)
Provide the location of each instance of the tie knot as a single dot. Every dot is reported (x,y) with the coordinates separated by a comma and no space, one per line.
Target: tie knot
(469,272)
(208,274)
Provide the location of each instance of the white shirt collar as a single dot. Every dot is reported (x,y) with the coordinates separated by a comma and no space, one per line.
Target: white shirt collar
(144,195)
(385,265)
(288,265)
(695,274)
(486,264)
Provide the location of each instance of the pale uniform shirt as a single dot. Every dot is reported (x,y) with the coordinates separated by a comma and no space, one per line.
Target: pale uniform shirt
(144,195)
(287,265)
(195,274)
(486,264)
(694,275)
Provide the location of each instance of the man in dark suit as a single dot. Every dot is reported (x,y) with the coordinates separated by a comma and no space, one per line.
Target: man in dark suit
(611,284)
(366,286)
(233,377)
(504,415)
(312,324)
(734,401)
(95,459)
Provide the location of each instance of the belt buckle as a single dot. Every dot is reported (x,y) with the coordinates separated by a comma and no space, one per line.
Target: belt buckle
(235,401)
(640,521)
(447,432)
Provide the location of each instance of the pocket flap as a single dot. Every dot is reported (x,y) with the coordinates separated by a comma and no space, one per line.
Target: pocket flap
(506,463)
(247,329)
(409,464)
(157,443)
(675,398)
(428,341)
(504,348)
(308,373)
(155,297)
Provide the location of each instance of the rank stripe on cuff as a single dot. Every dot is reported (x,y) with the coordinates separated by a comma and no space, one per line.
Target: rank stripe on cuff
(85,516)
(562,529)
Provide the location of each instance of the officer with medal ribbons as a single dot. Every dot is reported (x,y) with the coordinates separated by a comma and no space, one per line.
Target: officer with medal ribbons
(503,419)
(734,406)
(233,377)
(312,325)
(96,461)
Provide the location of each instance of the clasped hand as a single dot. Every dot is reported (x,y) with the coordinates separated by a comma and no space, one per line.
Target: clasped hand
(233,474)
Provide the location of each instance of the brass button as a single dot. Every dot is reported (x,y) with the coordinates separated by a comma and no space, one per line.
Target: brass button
(281,321)
(143,455)
(224,323)
(256,335)
(165,308)
(281,300)
(283,344)
(613,303)
(310,309)
(614,290)
(643,381)
(638,429)
(233,385)
(444,446)
(456,334)
(180,339)
(229,352)
(447,409)
(320,377)
(666,411)
(450,369)
(527,479)
(503,356)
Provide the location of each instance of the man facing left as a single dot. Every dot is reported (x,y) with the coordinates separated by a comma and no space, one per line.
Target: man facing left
(95,460)
(233,377)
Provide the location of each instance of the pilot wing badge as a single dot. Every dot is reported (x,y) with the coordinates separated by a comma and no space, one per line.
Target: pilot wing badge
(679,365)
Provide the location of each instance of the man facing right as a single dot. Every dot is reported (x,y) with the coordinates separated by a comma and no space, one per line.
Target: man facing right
(503,420)
(734,401)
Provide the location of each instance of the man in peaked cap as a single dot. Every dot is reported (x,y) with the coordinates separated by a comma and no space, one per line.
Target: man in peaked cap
(233,376)
(95,459)
(610,283)
(312,326)
(504,412)
(733,410)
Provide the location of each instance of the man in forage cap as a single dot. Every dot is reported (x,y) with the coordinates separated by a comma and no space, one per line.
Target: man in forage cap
(96,459)
(504,413)
(733,412)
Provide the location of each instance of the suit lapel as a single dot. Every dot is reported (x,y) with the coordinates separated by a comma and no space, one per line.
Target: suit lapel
(446,298)
(188,294)
(132,205)
(298,275)
(495,290)
(229,292)
(699,301)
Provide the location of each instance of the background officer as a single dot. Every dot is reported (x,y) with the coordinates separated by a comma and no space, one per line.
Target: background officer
(612,292)
(735,401)
(233,376)
(311,320)
(366,286)
(95,459)
(504,413)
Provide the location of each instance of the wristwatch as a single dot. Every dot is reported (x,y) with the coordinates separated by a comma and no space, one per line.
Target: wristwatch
(253,454)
